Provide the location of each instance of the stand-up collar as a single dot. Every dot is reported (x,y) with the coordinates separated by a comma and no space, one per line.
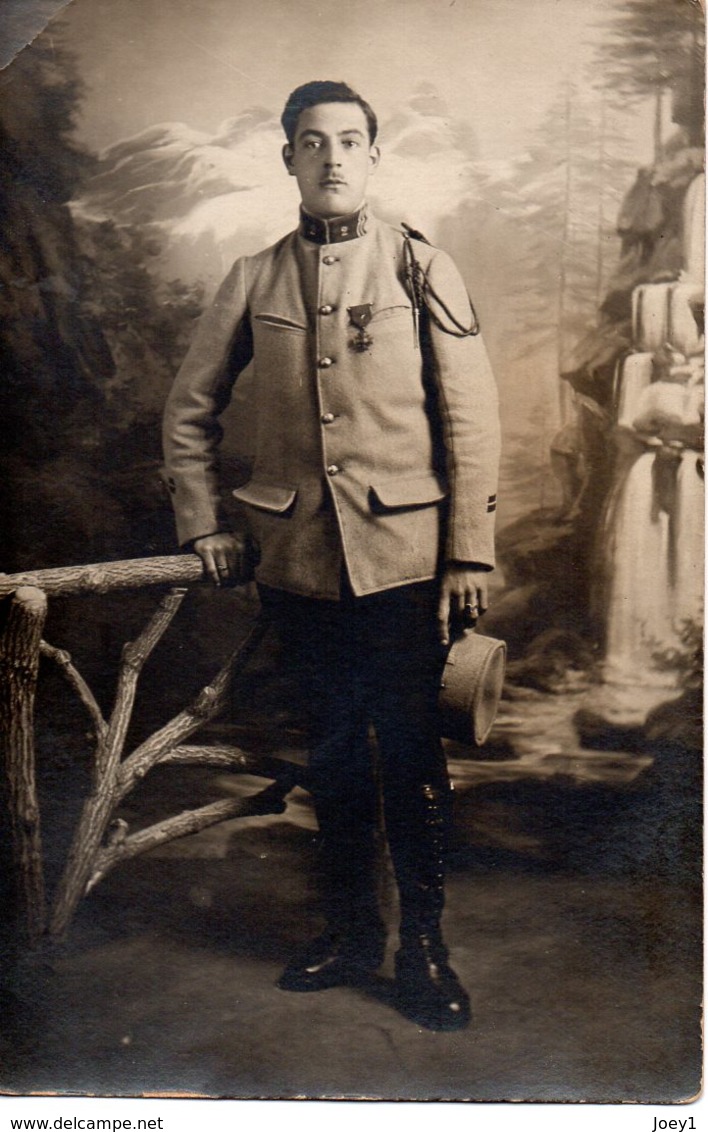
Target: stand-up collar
(334,231)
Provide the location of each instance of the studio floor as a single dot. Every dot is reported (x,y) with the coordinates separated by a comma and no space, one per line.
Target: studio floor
(573,918)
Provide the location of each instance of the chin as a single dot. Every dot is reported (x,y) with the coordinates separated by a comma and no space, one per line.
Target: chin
(329,206)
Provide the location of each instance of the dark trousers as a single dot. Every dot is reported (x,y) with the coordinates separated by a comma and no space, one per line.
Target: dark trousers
(365,662)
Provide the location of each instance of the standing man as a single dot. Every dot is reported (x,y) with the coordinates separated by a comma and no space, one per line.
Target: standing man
(371,510)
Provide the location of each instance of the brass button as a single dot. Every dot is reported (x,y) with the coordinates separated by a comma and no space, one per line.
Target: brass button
(327,418)
(329,259)
(326,309)
(325,363)
(333,469)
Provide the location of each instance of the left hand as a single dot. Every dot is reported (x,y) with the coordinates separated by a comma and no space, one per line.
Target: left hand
(224,557)
(463,599)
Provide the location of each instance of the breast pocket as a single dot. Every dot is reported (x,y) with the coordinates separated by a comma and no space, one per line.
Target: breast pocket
(280,322)
(383,314)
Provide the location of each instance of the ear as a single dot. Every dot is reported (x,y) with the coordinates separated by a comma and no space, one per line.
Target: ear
(288,158)
(374,157)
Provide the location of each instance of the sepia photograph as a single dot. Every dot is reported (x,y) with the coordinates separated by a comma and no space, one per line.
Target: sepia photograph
(352,550)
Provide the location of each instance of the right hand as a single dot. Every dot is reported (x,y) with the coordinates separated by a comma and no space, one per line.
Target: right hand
(224,556)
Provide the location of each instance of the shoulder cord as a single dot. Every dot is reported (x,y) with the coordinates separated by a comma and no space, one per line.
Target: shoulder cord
(422,291)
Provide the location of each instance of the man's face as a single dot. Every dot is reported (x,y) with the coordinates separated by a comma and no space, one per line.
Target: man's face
(332,158)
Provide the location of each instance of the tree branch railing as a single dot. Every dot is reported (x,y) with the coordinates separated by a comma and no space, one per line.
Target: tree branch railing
(101,839)
(102,577)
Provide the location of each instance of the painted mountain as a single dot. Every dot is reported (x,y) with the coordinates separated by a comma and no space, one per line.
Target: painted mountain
(207,199)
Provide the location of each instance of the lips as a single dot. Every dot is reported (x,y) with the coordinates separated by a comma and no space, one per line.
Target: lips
(331,183)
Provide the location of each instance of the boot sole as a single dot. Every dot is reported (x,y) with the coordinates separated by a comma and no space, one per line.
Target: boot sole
(432,1019)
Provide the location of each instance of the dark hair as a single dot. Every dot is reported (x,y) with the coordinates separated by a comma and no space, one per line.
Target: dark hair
(313,94)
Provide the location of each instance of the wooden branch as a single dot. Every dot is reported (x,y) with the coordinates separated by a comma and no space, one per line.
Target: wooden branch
(63,659)
(268,801)
(239,762)
(135,653)
(19,666)
(118,779)
(206,704)
(228,758)
(101,577)
(98,807)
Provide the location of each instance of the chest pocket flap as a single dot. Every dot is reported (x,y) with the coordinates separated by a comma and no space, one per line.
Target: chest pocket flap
(384,313)
(417,490)
(280,322)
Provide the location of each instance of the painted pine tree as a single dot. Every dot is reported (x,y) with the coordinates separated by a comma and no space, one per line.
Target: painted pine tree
(551,220)
(650,48)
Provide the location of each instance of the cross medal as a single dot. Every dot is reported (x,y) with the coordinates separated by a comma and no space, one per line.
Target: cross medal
(360,317)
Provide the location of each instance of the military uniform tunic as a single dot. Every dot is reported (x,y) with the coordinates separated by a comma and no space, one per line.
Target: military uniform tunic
(376,446)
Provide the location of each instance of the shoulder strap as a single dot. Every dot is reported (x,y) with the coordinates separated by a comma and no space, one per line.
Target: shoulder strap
(414,234)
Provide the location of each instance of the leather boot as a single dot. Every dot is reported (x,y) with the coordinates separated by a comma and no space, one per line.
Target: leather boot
(428,990)
(353,944)
(336,958)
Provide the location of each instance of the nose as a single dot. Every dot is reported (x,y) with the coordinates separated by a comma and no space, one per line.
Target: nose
(332,158)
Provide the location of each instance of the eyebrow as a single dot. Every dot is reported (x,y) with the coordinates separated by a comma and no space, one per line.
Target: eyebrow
(342,133)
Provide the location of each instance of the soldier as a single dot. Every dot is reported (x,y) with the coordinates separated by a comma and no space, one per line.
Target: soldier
(371,509)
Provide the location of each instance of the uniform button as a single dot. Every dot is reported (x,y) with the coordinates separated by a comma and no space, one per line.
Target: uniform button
(327,418)
(325,363)
(333,469)
(326,309)
(329,259)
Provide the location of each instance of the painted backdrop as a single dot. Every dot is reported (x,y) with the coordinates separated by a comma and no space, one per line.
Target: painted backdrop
(555,149)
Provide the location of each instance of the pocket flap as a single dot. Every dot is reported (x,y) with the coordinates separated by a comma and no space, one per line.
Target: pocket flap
(410,491)
(267,496)
(383,313)
(280,322)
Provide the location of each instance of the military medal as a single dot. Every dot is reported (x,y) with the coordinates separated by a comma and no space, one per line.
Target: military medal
(360,317)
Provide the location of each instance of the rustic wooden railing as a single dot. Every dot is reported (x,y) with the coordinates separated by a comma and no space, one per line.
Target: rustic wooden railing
(101,840)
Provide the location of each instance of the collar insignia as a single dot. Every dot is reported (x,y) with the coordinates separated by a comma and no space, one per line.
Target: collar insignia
(335,231)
